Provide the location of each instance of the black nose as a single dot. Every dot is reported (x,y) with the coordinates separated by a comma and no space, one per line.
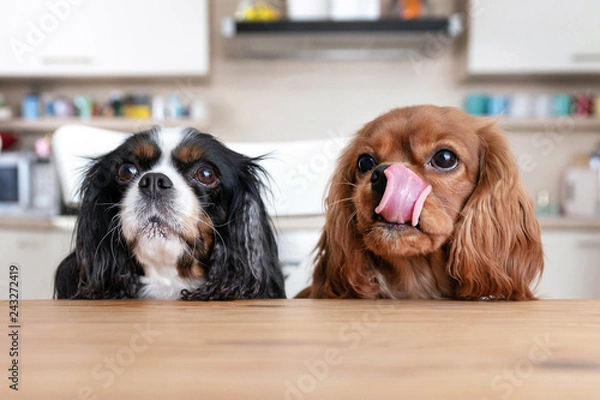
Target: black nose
(153,183)
(378,182)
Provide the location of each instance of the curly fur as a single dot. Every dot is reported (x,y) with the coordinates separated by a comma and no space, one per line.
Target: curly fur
(478,237)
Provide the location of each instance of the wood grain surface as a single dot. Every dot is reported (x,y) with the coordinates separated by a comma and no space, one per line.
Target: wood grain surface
(306,349)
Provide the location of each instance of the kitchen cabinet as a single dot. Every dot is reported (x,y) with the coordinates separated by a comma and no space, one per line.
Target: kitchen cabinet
(572,269)
(572,256)
(533,37)
(114,38)
(37,253)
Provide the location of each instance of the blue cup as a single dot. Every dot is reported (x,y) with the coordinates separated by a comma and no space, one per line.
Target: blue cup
(84,105)
(30,107)
(476,104)
(562,104)
(498,104)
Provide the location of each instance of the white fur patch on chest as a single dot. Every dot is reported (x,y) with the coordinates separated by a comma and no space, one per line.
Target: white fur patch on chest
(161,280)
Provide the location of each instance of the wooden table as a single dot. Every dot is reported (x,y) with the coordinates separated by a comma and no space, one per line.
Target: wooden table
(305,349)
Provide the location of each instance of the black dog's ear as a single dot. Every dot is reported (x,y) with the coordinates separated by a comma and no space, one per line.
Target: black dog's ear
(244,263)
(66,279)
(100,263)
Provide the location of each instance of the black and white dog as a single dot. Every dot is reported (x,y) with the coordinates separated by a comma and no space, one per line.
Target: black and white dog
(172,214)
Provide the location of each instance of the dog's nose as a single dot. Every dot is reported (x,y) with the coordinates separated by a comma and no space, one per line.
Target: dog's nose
(154,183)
(378,182)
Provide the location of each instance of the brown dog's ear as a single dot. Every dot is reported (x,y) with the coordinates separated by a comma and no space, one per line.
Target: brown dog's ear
(496,250)
(341,266)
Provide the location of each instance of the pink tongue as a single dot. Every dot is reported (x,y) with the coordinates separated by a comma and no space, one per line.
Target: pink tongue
(404,196)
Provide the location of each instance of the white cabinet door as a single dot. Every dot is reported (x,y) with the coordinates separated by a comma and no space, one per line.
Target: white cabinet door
(37,254)
(103,38)
(572,268)
(534,37)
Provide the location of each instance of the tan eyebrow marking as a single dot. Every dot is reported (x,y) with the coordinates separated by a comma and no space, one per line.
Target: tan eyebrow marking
(145,151)
(188,154)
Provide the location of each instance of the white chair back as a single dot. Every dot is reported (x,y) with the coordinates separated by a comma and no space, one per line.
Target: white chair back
(299,170)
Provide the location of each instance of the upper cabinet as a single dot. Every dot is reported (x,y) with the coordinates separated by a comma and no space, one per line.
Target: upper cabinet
(108,38)
(534,37)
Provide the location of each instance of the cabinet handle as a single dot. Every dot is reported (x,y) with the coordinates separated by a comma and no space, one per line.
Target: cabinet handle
(67,61)
(585,57)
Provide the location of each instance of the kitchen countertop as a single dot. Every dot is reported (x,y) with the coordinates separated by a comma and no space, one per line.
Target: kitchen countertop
(292,222)
(569,223)
(62,222)
(300,349)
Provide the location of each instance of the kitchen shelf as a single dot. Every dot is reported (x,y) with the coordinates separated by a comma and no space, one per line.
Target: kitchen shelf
(385,38)
(132,125)
(423,25)
(117,124)
(562,125)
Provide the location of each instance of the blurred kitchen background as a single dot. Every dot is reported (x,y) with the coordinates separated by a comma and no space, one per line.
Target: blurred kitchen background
(298,76)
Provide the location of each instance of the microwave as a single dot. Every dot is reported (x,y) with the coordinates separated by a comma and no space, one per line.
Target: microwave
(28,186)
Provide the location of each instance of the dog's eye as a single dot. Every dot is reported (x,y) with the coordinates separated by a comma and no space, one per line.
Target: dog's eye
(444,160)
(126,172)
(365,163)
(206,175)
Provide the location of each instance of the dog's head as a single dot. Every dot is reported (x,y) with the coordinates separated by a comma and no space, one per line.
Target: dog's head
(182,211)
(426,180)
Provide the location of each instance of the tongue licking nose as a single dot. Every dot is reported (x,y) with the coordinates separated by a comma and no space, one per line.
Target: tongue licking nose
(404,195)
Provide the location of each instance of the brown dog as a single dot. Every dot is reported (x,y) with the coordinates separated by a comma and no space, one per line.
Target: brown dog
(426,203)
